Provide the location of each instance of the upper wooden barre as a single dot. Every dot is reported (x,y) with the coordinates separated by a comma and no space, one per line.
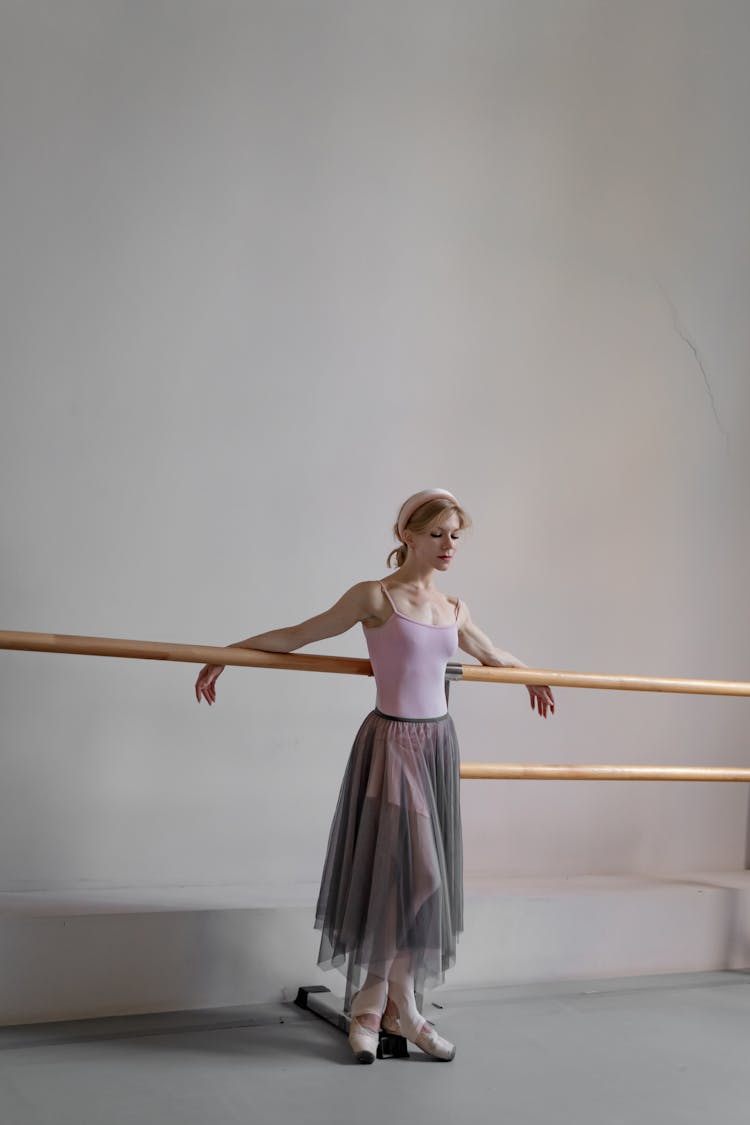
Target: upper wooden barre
(190,654)
(296,661)
(480,673)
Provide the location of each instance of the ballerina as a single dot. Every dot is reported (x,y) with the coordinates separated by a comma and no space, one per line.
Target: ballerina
(390,907)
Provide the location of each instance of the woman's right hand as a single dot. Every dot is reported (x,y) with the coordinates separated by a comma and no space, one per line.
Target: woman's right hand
(205,684)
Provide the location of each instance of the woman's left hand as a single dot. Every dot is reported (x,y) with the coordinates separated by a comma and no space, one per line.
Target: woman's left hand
(541,697)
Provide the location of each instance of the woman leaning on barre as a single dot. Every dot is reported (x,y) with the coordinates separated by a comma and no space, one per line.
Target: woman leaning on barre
(390,907)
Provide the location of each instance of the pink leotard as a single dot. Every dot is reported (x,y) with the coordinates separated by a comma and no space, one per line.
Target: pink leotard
(408,659)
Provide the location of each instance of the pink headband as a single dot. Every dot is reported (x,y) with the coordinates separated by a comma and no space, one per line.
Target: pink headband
(409,507)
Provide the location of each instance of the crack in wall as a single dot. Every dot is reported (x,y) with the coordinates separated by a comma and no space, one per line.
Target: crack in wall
(683,334)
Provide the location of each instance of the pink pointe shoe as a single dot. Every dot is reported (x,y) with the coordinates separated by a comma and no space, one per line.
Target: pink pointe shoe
(427,1038)
(433,1044)
(363,1041)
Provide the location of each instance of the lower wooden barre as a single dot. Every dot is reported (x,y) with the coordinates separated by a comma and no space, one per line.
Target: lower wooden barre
(507,771)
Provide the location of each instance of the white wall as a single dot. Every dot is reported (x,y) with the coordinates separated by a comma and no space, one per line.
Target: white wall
(270,267)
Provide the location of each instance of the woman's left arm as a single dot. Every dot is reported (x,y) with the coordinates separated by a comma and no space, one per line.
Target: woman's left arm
(471,639)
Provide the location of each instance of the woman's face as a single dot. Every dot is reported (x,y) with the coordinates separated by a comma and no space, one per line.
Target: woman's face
(438,543)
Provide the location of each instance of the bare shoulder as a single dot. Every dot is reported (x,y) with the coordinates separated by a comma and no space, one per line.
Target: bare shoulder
(370,588)
(368,595)
(373,602)
(464,617)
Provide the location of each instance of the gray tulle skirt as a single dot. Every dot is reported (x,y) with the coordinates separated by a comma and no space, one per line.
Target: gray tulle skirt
(392,880)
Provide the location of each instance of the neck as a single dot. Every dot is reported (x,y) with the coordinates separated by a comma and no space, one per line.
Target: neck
(418,574)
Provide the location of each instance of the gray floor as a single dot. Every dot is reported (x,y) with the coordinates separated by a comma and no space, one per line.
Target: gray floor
(666,1049)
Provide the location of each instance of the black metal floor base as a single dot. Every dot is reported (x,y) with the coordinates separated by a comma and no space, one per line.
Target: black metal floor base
(322,1002)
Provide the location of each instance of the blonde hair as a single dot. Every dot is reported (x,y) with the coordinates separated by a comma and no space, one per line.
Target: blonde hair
(423,518)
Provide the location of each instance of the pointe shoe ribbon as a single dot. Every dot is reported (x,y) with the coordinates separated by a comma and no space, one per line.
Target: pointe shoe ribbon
(363,1041)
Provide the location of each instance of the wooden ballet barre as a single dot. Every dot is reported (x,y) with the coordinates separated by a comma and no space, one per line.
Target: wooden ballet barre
(481,673)
(253,658)
(346,665)
(507,771)
(188,654)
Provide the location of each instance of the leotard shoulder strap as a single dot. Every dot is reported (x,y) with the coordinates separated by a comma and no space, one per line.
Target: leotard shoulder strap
(390,599)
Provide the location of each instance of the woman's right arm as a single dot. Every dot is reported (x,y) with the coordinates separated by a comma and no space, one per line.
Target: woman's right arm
(357,604)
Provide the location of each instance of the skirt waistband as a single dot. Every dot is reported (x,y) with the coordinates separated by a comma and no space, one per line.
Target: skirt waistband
(400,719)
